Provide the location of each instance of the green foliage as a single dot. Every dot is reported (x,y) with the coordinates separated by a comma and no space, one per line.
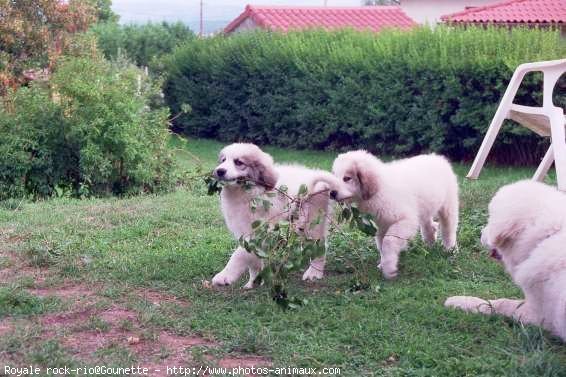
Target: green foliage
(143,44)
(284,245)
(363,221)
(16,302)
(92,132)
(104,12)
(283,250)
(394,93)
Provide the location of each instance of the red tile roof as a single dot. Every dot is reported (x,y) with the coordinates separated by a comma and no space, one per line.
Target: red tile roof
(283,18)
(513,11)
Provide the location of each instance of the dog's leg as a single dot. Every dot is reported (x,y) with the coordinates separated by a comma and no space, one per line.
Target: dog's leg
(395,240)
(516,309)
(316,269)
(254,269)
(469,304)
(519,310)
(448,217)
(379,243)
(428,230)
(236,266)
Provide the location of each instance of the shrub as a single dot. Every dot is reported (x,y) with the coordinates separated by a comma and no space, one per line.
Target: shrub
(140,43)
(91,132)
(395,93)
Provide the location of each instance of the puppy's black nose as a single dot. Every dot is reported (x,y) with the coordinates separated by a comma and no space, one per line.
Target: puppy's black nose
(333,194)
(220,172)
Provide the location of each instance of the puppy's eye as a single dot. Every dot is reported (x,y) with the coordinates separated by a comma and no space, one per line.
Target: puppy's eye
(347,179)
(238,162)
(222,159)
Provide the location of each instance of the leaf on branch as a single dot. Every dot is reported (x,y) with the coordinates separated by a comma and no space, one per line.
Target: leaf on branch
(213,185)
(266,204)
(261,254)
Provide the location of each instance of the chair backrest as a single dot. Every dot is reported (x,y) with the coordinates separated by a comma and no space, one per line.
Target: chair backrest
(551,70)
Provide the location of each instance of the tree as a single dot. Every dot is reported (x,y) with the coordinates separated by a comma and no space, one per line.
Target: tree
(104,12)
(34,33)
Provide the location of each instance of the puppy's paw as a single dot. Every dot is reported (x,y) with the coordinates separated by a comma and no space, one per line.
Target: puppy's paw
(249,285)
(452,249)
(450,245)
(389,274)
(222,279)
(312,274)
(468,304)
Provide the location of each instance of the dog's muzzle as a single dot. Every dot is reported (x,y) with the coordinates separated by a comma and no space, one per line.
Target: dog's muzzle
(495,254)
(220,173)
(333,194)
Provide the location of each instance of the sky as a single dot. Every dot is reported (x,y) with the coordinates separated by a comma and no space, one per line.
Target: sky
(215,11)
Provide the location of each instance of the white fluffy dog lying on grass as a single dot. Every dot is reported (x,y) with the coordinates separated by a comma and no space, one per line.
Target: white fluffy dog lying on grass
(526,231)
(403,195)
(248,162)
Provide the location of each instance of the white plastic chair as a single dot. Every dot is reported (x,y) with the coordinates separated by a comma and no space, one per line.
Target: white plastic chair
(548,120)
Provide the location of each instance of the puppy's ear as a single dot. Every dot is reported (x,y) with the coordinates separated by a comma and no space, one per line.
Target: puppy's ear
(502,234)
(368,181)
(262,169)
(268,176)
(318,195)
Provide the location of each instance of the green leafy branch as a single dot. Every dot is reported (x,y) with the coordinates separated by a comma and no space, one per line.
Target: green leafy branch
(284,246)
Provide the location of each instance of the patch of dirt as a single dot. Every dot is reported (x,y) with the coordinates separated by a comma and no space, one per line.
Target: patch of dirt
(156,298)
(67,291)
(18,268)
(5,328)
(169,350)
(156,352)
(67,319)
(116,314)
(8,235)
(87,327)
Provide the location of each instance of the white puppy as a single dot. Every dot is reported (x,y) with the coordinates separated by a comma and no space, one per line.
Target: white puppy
(248,162)
(526,231)
(403,195)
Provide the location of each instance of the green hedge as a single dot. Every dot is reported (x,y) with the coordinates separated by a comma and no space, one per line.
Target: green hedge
(143,44)
(394,93)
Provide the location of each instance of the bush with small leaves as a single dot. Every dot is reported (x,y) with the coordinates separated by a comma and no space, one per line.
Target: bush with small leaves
(91,130)
(284,245)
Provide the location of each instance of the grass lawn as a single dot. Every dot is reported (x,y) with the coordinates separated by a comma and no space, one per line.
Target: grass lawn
(118,281)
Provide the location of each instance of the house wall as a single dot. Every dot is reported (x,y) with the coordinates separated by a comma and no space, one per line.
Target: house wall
(429,11)
(247,24)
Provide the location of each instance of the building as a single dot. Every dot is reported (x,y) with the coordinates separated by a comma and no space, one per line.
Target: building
(510,13)
(430,11)
(281,18)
